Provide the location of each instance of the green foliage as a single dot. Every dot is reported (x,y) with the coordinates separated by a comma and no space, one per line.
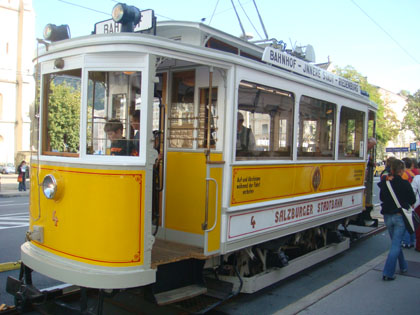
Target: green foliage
(387,124)
(412,114)
(63,117)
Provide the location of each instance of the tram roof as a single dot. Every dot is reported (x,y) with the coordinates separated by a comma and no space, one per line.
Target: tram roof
(198,34)
(201,35)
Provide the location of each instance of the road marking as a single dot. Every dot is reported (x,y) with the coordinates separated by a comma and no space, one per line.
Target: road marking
(14,204)
(15,220)
(14,214)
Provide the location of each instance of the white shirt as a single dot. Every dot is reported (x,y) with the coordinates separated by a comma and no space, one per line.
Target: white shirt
(416,188)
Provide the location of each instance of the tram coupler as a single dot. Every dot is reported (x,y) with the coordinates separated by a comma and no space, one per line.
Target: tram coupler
(25,294)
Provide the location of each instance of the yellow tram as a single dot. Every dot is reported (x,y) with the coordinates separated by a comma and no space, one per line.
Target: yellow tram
(244,156)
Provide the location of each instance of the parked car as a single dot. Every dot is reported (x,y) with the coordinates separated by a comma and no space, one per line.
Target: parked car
(7,169)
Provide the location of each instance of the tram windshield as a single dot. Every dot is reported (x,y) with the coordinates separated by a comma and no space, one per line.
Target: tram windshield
(113,113)
(61,114)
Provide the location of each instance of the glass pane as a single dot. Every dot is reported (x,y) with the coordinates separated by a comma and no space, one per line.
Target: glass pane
(351,133)
(264,122)
(181,115)
(62,113)
(114,101)
(203,118)
(316,128)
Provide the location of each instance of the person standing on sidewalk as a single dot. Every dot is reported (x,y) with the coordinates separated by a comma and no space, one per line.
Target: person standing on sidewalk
(21,170)
(393,217)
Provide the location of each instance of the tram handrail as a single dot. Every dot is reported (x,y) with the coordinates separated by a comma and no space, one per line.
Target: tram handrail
(204,225)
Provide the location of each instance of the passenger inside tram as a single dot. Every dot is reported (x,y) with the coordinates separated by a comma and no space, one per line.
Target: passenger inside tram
(245,140)
(119,145)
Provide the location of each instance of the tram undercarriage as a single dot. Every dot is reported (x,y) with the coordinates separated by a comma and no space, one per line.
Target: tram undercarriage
(184,276)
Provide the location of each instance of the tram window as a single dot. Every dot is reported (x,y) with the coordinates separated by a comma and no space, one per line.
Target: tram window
(61,113)
(351,133)
(264,122)
(316,128)
(181,115)
(112,97)
(204,118)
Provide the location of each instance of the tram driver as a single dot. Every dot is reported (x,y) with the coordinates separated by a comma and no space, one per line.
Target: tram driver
(245,140)
(135,124)
(119,145)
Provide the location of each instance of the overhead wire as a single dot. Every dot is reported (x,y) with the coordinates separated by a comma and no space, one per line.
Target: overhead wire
(243,9)
(83,7)
(106,13)
(383,30)
(165,17)
(213,12)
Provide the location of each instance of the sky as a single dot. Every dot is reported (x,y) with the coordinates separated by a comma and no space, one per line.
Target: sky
(378,38)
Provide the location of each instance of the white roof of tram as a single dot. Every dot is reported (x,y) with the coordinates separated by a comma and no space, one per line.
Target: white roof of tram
(194,33)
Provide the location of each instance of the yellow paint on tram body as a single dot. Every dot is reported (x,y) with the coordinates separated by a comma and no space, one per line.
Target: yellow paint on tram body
(98,217)
(186,191)
(251,184)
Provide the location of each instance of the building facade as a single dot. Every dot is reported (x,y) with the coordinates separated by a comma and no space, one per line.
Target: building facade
(17,46)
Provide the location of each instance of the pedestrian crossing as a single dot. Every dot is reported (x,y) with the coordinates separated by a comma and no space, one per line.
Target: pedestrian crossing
(14,220)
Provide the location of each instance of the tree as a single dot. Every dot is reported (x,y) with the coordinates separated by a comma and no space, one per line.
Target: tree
(387,124)
(412,114)
(63,117)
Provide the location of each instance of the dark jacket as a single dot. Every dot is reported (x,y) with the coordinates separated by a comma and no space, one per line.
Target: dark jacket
(402,190)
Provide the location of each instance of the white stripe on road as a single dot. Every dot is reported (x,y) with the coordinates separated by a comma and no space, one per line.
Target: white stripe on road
(15,220)
(13,223)
(13,214)
(14,204)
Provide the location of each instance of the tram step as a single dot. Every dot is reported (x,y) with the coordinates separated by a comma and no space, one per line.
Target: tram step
(180,294)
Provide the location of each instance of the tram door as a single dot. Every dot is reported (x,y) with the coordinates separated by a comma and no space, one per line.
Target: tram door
(193,173)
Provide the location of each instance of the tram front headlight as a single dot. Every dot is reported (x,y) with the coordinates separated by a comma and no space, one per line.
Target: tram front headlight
(127,15)
(49,186)
(55,33)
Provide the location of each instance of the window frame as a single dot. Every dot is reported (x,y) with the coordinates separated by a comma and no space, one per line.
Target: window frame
(95,62)
(110,159)
(43,137)
(362,142)
(333,137)
(271,155)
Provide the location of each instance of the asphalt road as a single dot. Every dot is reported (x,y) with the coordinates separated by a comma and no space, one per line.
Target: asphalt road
(14,222)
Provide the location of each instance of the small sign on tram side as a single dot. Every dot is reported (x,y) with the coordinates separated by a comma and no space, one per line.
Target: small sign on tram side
(109,26)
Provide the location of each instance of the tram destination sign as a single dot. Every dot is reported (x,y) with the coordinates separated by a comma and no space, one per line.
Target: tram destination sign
(109,26)
(283,60)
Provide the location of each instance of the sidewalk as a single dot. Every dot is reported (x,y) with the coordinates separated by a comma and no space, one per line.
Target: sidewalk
(9,186)
(363,291)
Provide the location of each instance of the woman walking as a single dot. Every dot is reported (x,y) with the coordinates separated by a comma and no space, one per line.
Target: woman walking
(393,217)
(21,170)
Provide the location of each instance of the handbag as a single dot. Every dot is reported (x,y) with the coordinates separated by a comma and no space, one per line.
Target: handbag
(20,178)
(409,216)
